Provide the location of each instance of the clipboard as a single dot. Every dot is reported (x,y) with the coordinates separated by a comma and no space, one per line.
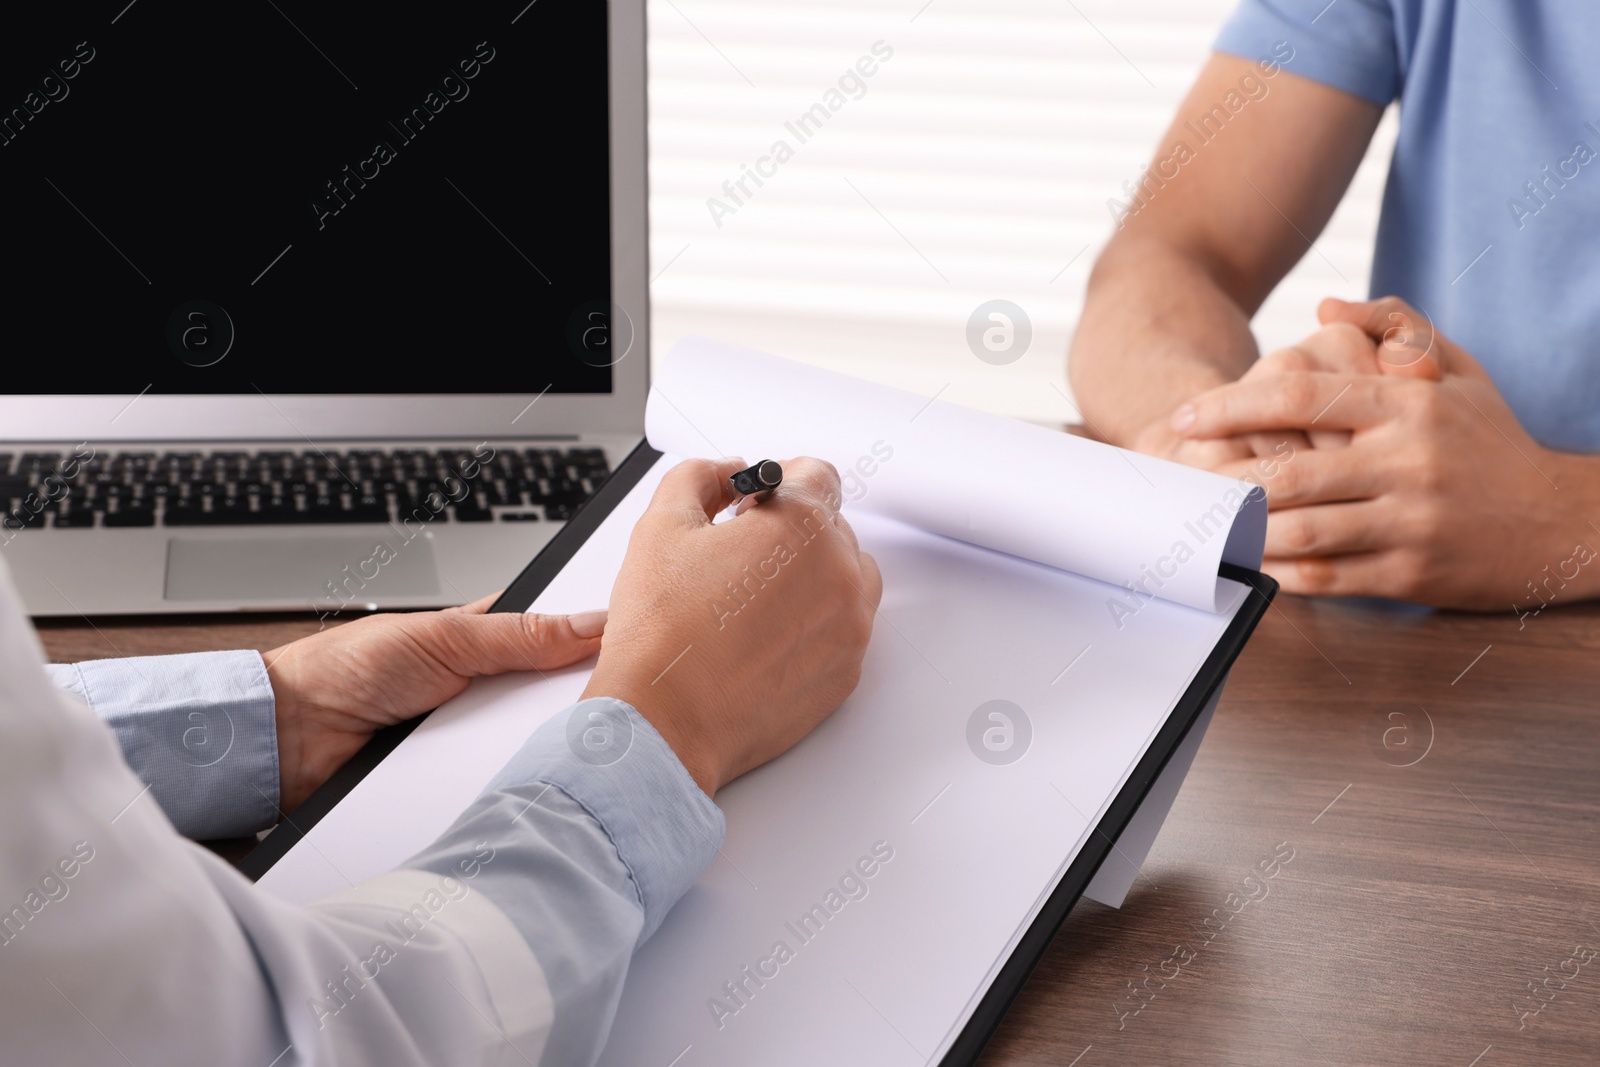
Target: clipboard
(1195,702)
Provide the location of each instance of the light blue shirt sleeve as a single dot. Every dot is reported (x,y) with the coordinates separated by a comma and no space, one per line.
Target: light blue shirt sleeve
(596,829)
(507,941)
(584,840)
(1348,44)
(199,729)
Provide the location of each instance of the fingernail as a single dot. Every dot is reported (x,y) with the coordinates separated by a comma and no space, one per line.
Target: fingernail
(1183,418)
(588,623)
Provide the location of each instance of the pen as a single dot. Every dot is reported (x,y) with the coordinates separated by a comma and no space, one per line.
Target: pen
(762,478)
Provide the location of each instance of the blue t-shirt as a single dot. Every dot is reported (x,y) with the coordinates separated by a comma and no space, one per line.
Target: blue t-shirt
(1491,217)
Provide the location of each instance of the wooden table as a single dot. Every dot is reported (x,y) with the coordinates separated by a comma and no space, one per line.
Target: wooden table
(1437,778)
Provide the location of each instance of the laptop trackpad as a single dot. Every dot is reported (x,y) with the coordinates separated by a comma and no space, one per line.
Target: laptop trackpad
(323,571)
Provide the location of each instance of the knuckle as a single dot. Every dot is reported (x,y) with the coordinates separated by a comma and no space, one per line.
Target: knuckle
(1342,333)
(1430,471)
(1426,402)
(688,473)
(860,629)
(865,615)
(812,468)
(1315,575)
(1432,522)
(815,476)
(1384,311)
(1295,394)
(693,468)
(536,630)
(1409,576)
(1284,360)
(1298,533)
(1286,486)
(1346,338)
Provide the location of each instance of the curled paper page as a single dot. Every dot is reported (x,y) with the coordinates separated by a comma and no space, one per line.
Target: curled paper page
(1151,527)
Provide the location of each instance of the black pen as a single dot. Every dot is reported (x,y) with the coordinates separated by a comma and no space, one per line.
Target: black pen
(761,478)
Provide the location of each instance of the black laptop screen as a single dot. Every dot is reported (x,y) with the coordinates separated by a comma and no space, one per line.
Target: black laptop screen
(306,198)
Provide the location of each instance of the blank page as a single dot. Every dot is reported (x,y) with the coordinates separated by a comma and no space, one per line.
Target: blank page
(963,846)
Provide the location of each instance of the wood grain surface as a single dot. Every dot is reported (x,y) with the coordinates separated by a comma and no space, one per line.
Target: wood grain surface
(1422,899)
(1437,778)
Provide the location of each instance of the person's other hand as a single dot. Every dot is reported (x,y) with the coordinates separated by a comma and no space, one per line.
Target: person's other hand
(1405,343)
(1375,338)
(734,639)
(1159,439)
(1440,497)
(335,688)
(1339,348)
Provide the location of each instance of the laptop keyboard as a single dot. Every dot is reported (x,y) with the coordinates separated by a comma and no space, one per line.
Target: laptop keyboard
(280,487)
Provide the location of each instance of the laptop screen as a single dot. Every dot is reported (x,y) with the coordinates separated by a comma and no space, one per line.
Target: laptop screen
(306,198)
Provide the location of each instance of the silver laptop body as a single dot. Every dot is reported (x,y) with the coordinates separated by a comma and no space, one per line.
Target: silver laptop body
(438,483)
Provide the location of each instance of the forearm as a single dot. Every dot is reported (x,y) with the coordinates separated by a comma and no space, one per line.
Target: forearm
(1158,328)
(1214,225)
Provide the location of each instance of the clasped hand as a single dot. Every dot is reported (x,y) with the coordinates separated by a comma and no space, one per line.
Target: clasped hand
(1400,470)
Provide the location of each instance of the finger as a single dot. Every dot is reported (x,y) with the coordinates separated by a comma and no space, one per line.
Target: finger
(809,485)
(1284,360)
(517,641)
(477,607)
(695,490)
(1284,402)
(1363,574)
(811,496)
(1314,477)
(1410,343)
(1328,438)
(1276,444)
(847,531)
(1211,455)
(1338,348)
(871,580)
(753,499)
(1409,346)
(1328,530)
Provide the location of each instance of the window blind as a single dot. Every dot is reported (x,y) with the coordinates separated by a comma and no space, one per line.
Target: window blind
(846,181)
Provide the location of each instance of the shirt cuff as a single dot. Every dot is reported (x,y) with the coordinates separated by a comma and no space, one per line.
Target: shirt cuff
(609,759)
(200,729)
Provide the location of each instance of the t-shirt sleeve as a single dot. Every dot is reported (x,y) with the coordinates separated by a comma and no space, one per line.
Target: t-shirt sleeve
(1347,44)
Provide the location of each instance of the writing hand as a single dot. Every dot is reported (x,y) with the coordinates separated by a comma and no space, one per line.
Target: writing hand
(735,638)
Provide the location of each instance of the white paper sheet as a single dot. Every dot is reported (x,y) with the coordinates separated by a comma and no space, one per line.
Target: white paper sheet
(976,846)
(1115,878)
(1074,504)
(889,976)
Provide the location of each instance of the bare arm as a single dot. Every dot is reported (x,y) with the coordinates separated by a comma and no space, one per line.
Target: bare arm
(1167,314)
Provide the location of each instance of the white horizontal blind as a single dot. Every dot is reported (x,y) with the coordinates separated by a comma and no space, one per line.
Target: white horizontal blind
(973,164)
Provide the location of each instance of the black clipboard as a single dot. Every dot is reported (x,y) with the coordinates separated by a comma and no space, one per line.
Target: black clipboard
(996,1001)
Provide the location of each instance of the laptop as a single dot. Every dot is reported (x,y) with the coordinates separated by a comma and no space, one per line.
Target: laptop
(314,308)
